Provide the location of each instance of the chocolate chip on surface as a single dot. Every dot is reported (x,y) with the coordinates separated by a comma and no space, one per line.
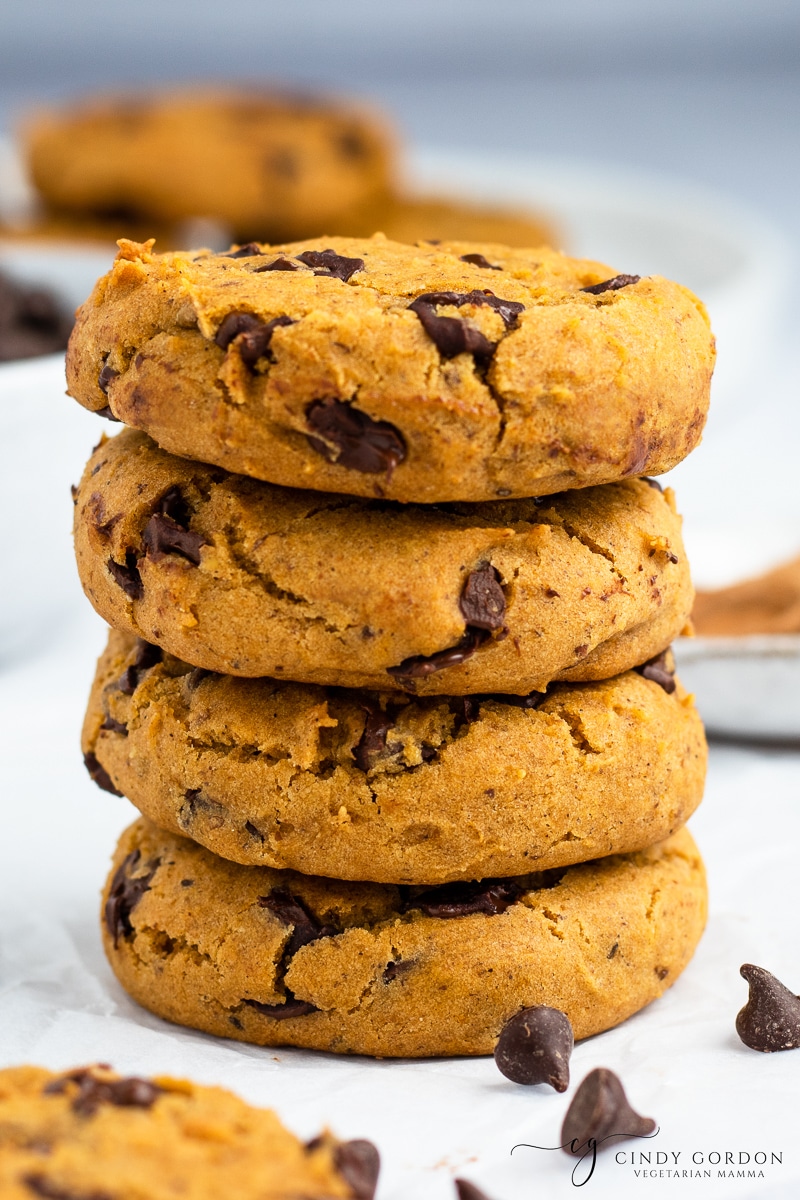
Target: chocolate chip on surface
(478,260)
(359,1162)
(99,774)
(93,1091)
(600,1112)
(112,725)
(329,263)
(535,1047)
(291,910)
(372,742)
(125,893)
(488,896)
(421,665)
(358,442)
(107,374)
(127,577)
(251,335)
(277,264)
(452,335)
(658,671)
(611,285)
(482,601)
(771,1018)
(162,535)
(292,1007)
(653,483)
(249,251)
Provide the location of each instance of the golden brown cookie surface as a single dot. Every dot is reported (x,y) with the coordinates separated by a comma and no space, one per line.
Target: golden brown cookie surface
(265,164)
(246,578)
(92,1135)
(428,373)
(278,958)
(357,785)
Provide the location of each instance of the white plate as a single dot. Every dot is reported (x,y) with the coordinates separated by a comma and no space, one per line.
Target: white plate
(744,686)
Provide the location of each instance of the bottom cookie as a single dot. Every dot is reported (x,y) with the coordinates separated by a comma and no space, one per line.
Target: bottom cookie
(279,958)
(88,1134)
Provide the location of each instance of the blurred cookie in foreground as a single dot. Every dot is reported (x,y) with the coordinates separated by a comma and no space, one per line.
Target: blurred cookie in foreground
(448,219)
(769,603)
(32,321)
(90,1133)
(269,164)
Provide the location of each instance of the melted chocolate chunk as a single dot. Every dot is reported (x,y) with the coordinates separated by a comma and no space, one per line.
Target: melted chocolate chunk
(359,442)
(146,656)
(40,1185)
(196,804)
(396,970)
(92,1092)
(489,896)
(292,911)
(173,505)
(249,251)
(359,1163)
(653,483)
(482,602)
(112,725)
(372,742)
(600,1111)
(278,264)
(451,335)
(251,334)
(331,264)
(163,536)
(535,1047)
(127,577)
(107,374)
(107,413)
(292,1007)
(99,774)
(656,670)
(420,665)
(468,1191)
(771,1018)
(611,285)
(125,893)
(478,260)
(467,708)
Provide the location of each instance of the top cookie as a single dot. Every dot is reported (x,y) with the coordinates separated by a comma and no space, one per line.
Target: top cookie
(439,372)
(266,164)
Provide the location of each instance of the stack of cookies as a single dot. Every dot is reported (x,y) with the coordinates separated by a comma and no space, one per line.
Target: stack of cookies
(391,599)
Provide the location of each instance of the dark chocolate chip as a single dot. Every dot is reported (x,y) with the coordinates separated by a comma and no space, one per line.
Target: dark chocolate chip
(292,1007)
(99,774)
(107,413)
(466,709)
(359,1163)
(162,535)
(600,1112)
(278,264)
(174,505)
(419,666)
(252,335)
(40,1185)
(771,1018)
(127,577)
(489,896)
(197,805)
(657,671)
(187,883)
(534,1047)
(478,260)
(329,263)
(468,1191)
(482,602)
(125,893)
(359,442)
(396,970)
(253,831)
(92,1092)
(291,910)
(96,509)
(372,742)
(653,483)
(107,374)
(611,285)
(451,335)
(196,677)
(147,655)
(249,251)
(112,725)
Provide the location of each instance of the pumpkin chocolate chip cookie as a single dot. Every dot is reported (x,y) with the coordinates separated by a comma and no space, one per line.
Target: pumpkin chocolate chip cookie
(89,1134)
(359,785)
(246,578)
(416,373)
(279,958)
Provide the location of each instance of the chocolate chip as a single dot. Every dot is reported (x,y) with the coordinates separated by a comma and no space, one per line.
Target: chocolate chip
(359,1163)
(329,263)
(92,1092)
(164,536)
(482,602)
(251,334)
(657,671)
(396,970)
(420,666)
(467,708)
(111,725)
(352,145)
(359,442)
(451,335)
(488,896)
(187,883)
(125,893)
(478,260)
(197,805)
(534,1047)
(96,509)
(99,774)
(38,1183)
(600,1113)
(611,285)
(468,1191)
(372,742)
(127,577)
(653,483)
(771,1018)
(291,910)
(278,264)
(107,413)
(107,374)
(196,677)
(147,655)
(253,831)
(249,251)
(292,1007)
